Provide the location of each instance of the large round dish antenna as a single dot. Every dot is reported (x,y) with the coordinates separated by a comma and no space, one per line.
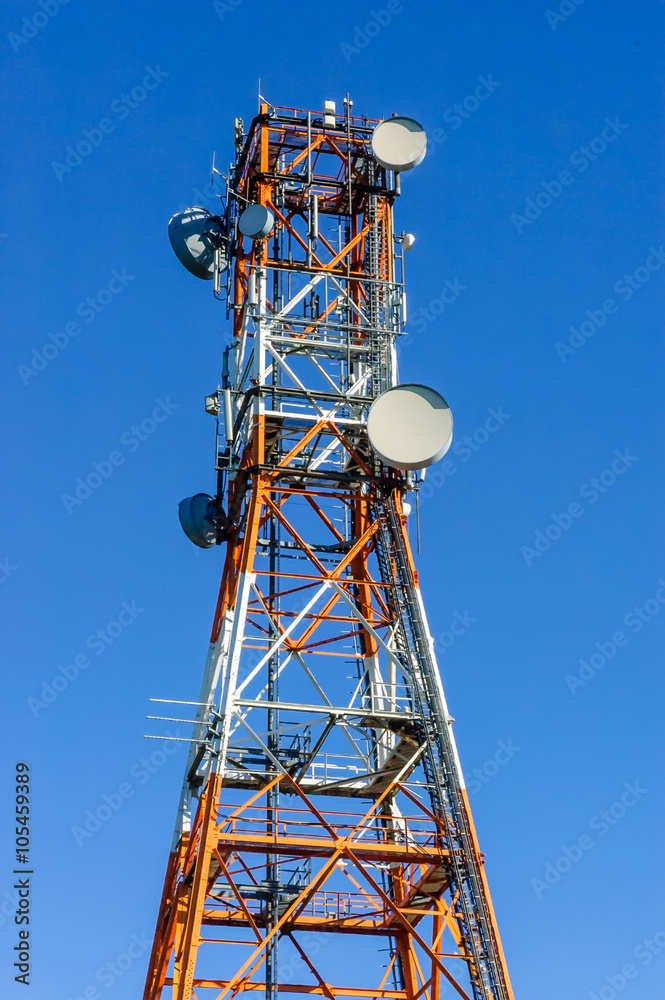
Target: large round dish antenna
(195,515)
(410,427)
(399,143)
(195,236)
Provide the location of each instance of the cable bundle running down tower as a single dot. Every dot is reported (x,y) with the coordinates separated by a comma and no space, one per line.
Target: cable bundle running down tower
(323,794)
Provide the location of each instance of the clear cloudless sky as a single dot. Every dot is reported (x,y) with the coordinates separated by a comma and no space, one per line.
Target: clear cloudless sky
(529,255)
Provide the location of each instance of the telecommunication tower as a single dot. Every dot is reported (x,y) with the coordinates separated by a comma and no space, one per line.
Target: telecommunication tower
(323,800)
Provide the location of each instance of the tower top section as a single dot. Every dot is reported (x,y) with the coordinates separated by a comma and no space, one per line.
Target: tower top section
(305,256)
(323,182)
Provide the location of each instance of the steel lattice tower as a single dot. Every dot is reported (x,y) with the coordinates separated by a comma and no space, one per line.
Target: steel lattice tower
(323,791)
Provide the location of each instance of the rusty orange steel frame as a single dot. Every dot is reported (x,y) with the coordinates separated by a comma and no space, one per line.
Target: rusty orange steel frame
(323,797)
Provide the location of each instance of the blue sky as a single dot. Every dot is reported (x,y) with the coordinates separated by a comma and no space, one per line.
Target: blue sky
(538,209)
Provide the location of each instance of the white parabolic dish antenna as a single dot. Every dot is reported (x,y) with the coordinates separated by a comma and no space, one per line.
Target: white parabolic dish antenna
(256,222)
(195,235)
(410,427)
(399,143)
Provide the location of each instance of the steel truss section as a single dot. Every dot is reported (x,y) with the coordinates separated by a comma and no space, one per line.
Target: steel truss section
(323,793)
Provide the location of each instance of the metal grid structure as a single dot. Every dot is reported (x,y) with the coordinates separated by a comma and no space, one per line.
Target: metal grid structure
(323,792)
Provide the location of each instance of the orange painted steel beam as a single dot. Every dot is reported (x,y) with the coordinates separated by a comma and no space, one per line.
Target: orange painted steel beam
(313,847)
(340,991)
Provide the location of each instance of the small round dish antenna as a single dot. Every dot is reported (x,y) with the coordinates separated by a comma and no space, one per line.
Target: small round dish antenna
(399,143)
(196,515)
(410,427)
(256,222)
(196,236)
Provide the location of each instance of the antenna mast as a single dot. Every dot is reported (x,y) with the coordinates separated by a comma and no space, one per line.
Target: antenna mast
(323,794)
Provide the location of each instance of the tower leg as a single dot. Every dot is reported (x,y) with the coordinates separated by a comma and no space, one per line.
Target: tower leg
(199,889)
